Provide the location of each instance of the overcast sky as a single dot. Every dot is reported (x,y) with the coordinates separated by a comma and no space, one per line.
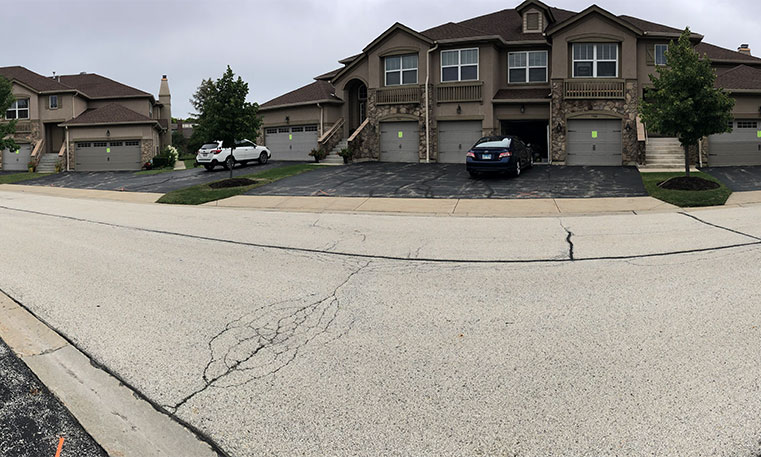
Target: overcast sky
(276,45)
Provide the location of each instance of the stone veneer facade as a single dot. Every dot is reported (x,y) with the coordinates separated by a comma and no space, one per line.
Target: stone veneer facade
(626,109)
(367,144)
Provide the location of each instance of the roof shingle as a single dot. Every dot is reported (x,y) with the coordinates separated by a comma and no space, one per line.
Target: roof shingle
(314,92)
(97,86)
(35,81)
(742,77)
(109,114)
(716,53)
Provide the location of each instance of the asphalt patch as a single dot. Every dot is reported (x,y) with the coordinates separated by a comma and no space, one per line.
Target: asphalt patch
(32,419)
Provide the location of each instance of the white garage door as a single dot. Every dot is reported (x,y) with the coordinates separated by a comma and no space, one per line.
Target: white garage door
(17,160)
(107,155)
(741,147)
(291,143)
(456,138)
(594,142)
(399,142)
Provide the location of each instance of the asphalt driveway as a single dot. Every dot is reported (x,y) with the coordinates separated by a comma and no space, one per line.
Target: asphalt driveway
(373,179)
(739,179)
(130,181)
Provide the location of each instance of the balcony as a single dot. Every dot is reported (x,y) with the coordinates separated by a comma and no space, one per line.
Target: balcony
(466,92)
(397,95)
(612,89)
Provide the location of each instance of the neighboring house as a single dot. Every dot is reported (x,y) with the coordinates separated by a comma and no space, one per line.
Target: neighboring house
(567,82)
(87,121)
(184,127)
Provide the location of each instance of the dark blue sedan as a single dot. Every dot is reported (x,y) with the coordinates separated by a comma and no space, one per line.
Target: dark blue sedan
(499,154)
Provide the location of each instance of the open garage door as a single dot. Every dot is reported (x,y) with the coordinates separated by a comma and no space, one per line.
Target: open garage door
(594,142)
(741,147)
(107,155)
(399,142)
(291,143)
(17,160)
(533,132)
(456,138)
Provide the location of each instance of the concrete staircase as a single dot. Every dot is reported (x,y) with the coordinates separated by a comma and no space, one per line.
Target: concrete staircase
(664,153)
(333,158)
(47,163)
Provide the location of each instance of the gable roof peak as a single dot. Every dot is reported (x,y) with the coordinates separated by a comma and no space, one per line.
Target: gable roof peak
(538,4)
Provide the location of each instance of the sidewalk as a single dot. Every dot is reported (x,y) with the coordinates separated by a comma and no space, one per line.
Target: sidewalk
(523,207)
(450,207)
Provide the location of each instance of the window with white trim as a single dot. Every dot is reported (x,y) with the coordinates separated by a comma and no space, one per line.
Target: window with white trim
(19,109)
(747,124)
(595,60)
(459,65)
(401,70)
(53,102)
(660,54)
(527,67)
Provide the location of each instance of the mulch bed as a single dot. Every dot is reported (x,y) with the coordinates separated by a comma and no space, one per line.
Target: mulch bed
(691,183)
(233,182)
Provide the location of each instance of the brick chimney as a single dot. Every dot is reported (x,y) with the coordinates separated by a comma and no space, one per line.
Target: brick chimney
(744,49)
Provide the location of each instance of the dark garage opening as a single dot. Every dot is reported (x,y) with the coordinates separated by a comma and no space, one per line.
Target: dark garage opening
(531,132)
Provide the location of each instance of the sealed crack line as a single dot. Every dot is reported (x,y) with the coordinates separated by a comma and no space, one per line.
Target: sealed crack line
(265,341)
(569,240)
(710,224)
(390,257)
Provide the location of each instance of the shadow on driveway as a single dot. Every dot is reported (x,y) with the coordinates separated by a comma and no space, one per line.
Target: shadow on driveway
(738,179)
(130,181)
(374,179)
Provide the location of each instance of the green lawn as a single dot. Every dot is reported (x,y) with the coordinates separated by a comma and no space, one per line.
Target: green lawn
(20,177)
(190,163)
(202,193)
(685,198)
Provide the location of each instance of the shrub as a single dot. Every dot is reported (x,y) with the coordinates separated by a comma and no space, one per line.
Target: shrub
(346,152)
(166,158)
(318,153)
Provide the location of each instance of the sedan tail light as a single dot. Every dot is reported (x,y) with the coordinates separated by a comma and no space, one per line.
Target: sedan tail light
(502,155)
(470,154)
(217,151)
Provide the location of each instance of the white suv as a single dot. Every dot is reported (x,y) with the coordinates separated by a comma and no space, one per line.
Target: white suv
(212,154)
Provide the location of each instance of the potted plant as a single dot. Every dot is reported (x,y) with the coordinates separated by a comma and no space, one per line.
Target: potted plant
(30,165)
(59,166)
(318,154)
(346,153)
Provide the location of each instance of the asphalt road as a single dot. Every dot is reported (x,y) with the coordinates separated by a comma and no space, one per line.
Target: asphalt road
(129,181)
(374,179)
(32,419)
(345,335)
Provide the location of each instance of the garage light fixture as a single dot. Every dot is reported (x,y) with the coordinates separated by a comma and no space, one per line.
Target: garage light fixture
(287,119)
(628,127)
(108,133)
(459,109)
(559,128)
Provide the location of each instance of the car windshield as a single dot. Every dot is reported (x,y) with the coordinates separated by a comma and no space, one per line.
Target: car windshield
(505,143)
(209,146)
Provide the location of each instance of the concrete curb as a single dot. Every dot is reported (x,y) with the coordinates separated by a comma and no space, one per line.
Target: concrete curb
(522,207)
(117,417)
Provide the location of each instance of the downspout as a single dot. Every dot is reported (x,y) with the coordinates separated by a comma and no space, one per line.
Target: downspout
(427,104)
(322,126)
(67,148)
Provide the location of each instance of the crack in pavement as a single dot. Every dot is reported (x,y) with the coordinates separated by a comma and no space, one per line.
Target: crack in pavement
(266,340)
(294,249)
(710,224)
(569,241)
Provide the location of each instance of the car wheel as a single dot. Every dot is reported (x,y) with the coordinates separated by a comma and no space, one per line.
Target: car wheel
(229,163)
(263,158)
(531,161)
(517,170)
(208,166)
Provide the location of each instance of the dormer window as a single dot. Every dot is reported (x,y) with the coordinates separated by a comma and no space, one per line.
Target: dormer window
(532,22)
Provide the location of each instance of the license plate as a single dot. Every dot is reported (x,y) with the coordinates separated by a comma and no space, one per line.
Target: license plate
(486,156)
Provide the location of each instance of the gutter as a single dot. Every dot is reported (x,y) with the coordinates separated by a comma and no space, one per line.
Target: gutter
(427,104)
